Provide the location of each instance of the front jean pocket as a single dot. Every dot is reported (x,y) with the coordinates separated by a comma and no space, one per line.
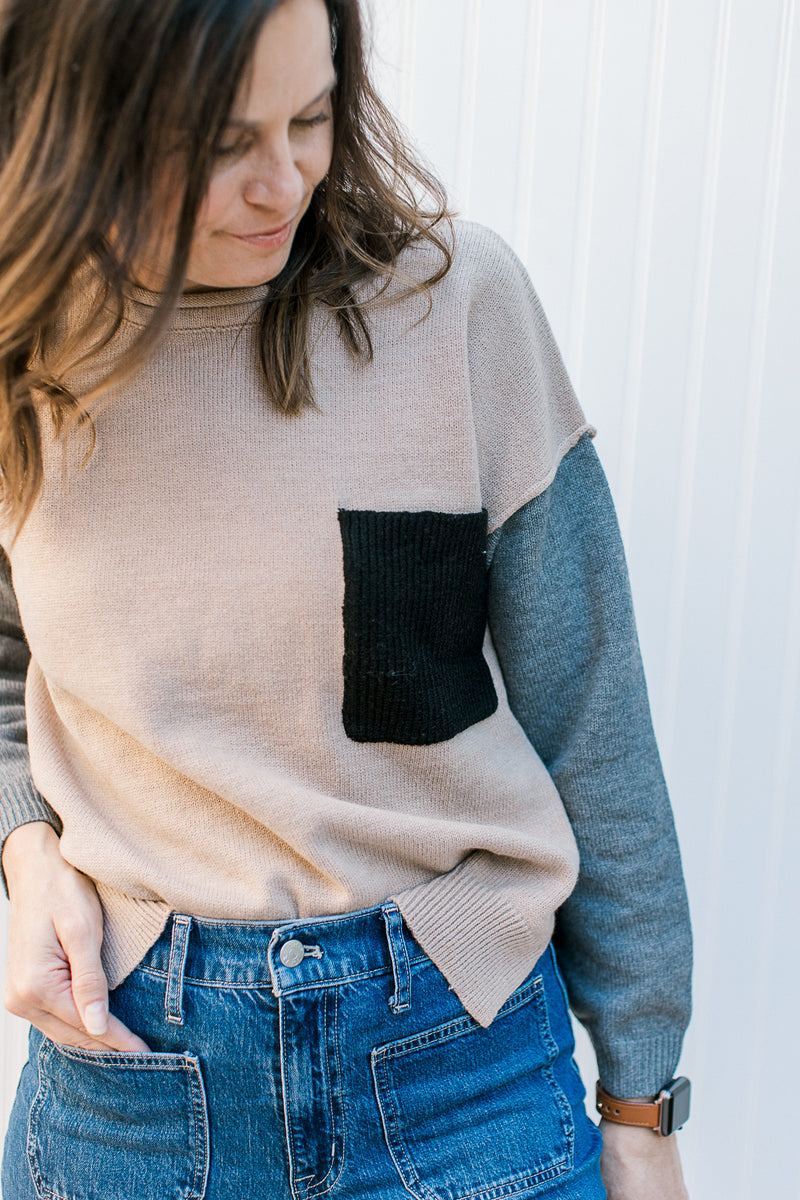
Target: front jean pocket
(107,1125)
(477,1113)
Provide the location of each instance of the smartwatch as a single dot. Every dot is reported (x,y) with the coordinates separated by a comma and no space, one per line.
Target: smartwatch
(668,1112)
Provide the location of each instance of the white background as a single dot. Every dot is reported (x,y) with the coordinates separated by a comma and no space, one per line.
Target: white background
(642,158)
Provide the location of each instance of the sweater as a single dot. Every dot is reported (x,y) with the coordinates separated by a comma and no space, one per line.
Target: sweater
(317,688)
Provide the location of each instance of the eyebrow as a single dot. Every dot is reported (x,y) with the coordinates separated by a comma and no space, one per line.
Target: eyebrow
(239,123)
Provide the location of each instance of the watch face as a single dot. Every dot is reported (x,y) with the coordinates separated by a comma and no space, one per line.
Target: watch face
(676,1109)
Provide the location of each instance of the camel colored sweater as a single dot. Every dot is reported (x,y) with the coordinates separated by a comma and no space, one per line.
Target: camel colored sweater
(261,684)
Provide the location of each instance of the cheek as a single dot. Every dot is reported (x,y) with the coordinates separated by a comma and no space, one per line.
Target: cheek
(219,200)
(317,161)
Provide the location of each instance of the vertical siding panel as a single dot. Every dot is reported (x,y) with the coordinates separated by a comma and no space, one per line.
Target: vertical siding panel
(573,349)
(616,210)
(758,1064)
(469,97)
(693,395)
(409,76)
(561,82)
(383,21)
(499,116)
(526,153)
(632,398)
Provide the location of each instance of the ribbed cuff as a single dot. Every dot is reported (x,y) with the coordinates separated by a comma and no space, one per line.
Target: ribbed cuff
(20,804)
(639,1067)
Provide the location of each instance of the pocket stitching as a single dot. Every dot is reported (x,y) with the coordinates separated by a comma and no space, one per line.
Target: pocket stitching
(188,1063)
(33,1125)
(201,1134)
(460,1025)
(439,1035)
(558,1092)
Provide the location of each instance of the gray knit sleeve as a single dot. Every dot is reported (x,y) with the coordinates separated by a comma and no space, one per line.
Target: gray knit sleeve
(562,622)
(20,802)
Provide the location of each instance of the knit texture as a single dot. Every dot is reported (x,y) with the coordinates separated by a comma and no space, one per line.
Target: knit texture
(182,595)
(414,623)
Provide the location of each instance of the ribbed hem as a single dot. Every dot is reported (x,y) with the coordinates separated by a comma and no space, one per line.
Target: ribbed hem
(21,805)
(130,926)
(637,1067)
(479,942)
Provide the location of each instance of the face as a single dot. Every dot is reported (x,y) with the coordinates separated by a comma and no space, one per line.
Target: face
(274,151)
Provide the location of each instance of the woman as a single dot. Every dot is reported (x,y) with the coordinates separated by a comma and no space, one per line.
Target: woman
(266,420)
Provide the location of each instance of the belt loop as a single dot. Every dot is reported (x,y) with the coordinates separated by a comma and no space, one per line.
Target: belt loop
(400,1001)
(173,1001)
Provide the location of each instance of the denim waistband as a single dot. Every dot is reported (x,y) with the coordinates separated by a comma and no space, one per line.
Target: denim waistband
(285,956)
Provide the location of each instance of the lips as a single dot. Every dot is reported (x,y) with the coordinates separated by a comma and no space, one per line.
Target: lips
(266,239)
(263,232)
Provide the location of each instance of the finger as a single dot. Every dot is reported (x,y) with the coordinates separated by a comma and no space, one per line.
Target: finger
(81,940)
(47,1002)
(118,1038)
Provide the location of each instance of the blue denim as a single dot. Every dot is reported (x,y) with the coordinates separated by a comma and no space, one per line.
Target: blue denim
(307,1059)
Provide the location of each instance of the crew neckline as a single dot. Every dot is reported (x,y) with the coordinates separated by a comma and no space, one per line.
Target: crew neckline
(212,298)
(218,308)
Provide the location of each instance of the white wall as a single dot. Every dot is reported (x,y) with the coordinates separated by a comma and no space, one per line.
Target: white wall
(642,157)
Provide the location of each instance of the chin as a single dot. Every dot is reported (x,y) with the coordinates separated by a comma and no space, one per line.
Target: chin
(202,281)
(260,269)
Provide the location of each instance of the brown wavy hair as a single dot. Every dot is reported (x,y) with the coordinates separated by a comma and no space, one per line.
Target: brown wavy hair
(93,95)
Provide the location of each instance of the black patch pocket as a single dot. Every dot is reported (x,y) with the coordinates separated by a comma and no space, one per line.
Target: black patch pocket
(415,588)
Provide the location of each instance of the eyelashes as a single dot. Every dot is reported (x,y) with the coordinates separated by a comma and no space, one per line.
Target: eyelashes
(243,144)
(318,119)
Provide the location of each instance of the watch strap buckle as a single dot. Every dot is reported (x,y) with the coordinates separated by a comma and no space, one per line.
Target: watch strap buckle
(668,1112)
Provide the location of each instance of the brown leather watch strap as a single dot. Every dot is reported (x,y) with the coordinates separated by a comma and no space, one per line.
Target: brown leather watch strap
(629,1112)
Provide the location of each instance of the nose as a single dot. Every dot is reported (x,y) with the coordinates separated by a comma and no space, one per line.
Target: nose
(276,184)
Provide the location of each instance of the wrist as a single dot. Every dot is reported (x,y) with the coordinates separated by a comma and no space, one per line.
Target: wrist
(32,840)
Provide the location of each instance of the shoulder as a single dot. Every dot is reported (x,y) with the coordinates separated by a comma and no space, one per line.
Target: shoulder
(486,298)
(481,259)
(482,254)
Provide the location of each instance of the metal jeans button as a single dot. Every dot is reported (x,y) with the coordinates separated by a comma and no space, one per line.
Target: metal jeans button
(292,953)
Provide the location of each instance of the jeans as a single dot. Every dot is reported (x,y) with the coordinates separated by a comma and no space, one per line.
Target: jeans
(304,1059)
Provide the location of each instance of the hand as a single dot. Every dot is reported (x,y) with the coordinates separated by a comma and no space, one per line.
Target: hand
(637,1164)
(54,977)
